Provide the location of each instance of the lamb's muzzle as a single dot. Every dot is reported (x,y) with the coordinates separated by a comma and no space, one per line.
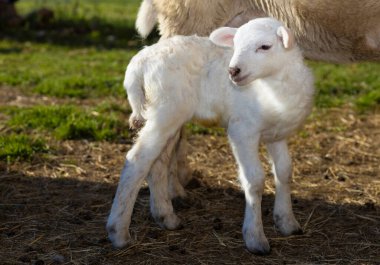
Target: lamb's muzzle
(234,71)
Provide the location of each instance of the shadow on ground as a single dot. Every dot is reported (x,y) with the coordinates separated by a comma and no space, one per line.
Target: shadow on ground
(54,221)
(96,32)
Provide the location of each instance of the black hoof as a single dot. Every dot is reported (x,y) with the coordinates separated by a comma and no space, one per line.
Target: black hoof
(260,252)
(298,232)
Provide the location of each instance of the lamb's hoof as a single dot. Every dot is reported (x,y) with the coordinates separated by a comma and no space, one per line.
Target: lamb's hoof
(256,242)
(260,249)
(169,222)
(118,239)
(287,225)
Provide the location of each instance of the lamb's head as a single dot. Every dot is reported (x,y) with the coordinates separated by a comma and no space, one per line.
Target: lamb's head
(261,48)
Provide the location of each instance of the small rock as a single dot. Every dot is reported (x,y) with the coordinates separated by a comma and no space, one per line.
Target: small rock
(58,259)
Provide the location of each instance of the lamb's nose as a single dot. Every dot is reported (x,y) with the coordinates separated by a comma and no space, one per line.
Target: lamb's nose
(234,71)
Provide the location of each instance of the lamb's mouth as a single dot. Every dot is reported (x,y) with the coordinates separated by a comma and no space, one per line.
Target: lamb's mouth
(240,80)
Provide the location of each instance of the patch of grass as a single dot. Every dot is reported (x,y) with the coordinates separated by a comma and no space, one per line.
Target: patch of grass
(194,128)
(20,146)
(353,83)
(370,100)
(112,107)
(111,10)
(107,24)
(60,72)
(82,53)
(68,122)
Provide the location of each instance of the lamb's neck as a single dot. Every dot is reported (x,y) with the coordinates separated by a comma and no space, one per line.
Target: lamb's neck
(285,79)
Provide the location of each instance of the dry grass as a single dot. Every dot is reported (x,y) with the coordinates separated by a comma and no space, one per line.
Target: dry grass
(53,210)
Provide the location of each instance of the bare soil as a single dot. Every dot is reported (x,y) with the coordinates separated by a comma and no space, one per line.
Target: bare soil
(53,208)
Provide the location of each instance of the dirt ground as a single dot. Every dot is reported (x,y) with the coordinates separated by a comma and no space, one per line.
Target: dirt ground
(53,210)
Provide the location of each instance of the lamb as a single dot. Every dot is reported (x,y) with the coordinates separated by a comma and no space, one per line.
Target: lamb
(266,96)
(334,31)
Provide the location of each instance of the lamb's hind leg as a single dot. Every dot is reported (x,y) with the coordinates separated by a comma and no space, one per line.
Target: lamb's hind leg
(184,171)
(179,174)
(160,197)
(151,141)
(282,170)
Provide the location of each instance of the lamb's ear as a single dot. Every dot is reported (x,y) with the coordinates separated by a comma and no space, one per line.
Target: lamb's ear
(286,37)
(223,36)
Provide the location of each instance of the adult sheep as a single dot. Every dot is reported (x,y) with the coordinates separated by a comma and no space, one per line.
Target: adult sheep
(334,31)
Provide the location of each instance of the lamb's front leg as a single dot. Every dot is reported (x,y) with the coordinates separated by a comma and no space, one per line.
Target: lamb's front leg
(282,169)
(245,148)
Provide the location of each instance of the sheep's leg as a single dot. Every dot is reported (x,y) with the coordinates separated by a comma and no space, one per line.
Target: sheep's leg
(184,175)
(160,201)
(179,169)
(152,139)
(282,170)
(245,148)
(175,189)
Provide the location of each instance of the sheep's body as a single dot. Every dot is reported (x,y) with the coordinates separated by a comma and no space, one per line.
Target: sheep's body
(335,31)
(182,78)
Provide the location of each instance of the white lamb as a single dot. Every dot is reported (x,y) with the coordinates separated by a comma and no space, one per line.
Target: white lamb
(266,96)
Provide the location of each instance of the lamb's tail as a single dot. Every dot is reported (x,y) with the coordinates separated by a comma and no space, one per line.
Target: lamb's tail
(134,86)
(146,18)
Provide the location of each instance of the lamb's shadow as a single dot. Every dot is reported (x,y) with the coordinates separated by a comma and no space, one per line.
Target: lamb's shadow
(42,217)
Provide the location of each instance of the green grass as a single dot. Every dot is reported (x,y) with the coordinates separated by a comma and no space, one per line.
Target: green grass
(68,122)
(357,84)
(110,10)
(194,128)
(22,146)
(63,72)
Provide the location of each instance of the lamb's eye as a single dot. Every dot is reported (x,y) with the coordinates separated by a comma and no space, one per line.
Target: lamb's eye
(265,47)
